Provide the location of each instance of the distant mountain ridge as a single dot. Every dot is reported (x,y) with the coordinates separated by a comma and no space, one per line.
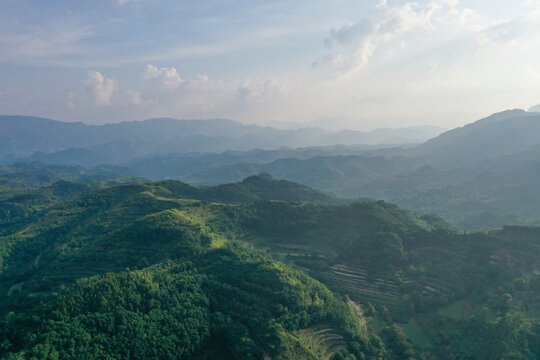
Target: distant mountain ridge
(487,170)
(535,108)
(500,134)
(40,139)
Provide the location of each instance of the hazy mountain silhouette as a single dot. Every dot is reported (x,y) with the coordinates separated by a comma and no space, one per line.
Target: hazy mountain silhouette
(535,108)
(77,143)
(500,134)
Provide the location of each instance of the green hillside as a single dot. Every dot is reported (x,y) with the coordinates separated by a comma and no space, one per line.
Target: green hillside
(136,272)
(35,174)
(166,270)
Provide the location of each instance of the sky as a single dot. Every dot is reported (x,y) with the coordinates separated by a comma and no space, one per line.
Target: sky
(351,63)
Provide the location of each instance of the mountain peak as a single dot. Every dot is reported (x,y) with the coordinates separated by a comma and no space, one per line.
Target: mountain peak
(535,108)
(501,133)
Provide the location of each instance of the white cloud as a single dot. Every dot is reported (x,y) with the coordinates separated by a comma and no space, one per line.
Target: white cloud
(40,43)
(135,98)
(534,73)
(261,90)
(387,26)
(432,67)
(201,80)
(101,87)
(204,97)
(169,78)
(71,97)
(122,2)
(504,33)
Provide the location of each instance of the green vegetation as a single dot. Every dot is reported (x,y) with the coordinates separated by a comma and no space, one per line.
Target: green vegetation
(167,270)
(137,272)
(35,174)
(477,176)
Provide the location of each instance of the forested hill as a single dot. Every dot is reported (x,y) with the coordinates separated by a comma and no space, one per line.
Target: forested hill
(138,272)
(34,175)
(253,188)
(165,270)
(18,201)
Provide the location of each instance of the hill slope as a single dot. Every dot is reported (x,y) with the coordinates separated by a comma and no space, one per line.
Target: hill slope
(480,176)
(126,269)
(137,272)
(497,135)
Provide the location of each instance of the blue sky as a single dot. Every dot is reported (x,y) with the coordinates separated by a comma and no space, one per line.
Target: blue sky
(365,63)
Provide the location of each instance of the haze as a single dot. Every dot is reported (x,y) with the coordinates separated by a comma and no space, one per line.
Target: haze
(361,64)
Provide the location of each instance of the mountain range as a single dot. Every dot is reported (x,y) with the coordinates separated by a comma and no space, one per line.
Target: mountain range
(238,261)
(487,170)
(38,139)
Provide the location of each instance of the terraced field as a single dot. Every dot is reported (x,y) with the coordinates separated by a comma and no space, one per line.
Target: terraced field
(361,288)
(380,290)
(384,291)
(323,341)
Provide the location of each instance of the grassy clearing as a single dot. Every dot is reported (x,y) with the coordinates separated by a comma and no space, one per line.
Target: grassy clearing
(453,311)
(417,334)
